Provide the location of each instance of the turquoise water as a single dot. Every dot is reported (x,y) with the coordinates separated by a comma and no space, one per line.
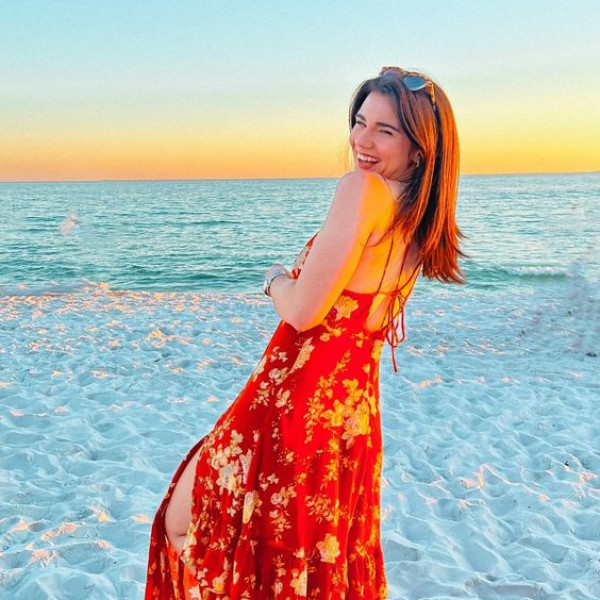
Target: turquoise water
(223,235)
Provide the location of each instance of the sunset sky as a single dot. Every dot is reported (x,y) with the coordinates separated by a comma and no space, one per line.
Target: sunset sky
(128,89)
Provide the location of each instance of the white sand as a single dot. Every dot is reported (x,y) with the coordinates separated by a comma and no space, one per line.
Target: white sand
(492,455)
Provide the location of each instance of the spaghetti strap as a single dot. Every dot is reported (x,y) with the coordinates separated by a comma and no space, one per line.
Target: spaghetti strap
(386,264)
(390,317)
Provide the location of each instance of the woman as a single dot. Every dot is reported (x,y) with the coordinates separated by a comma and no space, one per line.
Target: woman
(282,498)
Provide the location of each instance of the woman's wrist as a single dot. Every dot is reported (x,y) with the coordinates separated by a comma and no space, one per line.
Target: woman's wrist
(273,273)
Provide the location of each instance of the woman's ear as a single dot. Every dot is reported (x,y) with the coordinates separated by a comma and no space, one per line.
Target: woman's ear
(417,158)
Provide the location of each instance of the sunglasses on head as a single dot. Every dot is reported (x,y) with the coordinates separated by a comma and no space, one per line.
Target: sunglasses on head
(413,82)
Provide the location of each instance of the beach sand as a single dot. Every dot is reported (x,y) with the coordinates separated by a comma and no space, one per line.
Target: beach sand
(491,482)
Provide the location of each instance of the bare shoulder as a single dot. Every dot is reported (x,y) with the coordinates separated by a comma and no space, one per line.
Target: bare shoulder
(364,182)
(367,189)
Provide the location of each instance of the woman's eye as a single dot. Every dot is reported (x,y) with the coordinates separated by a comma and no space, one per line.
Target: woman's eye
(386,132)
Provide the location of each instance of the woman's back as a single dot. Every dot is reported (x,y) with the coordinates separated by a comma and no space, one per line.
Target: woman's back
(388,263)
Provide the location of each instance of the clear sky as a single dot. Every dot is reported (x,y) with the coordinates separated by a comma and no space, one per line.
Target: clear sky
(145,89)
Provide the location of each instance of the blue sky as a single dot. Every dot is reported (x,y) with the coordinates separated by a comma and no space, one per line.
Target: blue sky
(156,72)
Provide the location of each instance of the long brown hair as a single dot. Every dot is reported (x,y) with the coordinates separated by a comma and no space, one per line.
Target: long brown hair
(427,208)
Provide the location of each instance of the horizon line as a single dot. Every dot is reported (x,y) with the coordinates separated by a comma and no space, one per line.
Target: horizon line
(277,178)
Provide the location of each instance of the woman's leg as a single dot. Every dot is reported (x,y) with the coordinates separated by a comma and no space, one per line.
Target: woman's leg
(179,510)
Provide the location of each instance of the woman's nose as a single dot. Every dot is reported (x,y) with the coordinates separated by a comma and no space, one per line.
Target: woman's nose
(364,138)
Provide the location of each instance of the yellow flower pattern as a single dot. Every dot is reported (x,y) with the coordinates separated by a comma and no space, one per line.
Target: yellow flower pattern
(286,495)
(303,354)
(344,307)
(329,548)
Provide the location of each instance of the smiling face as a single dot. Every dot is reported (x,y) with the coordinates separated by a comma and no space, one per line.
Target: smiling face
(377,140)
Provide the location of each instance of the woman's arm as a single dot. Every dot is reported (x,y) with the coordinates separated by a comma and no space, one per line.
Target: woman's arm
(358,204)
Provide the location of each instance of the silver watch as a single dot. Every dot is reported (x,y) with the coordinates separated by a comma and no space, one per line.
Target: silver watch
(275,273)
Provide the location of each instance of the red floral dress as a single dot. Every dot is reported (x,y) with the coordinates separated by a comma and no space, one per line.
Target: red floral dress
(286,498)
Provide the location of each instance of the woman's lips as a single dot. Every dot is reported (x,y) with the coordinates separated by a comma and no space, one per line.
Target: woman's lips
(364,161)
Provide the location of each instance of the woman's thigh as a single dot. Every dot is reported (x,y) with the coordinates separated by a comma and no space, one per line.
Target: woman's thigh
(179,510)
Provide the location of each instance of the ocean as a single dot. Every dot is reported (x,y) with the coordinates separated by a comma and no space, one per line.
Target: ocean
(131,316)
(222,235)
